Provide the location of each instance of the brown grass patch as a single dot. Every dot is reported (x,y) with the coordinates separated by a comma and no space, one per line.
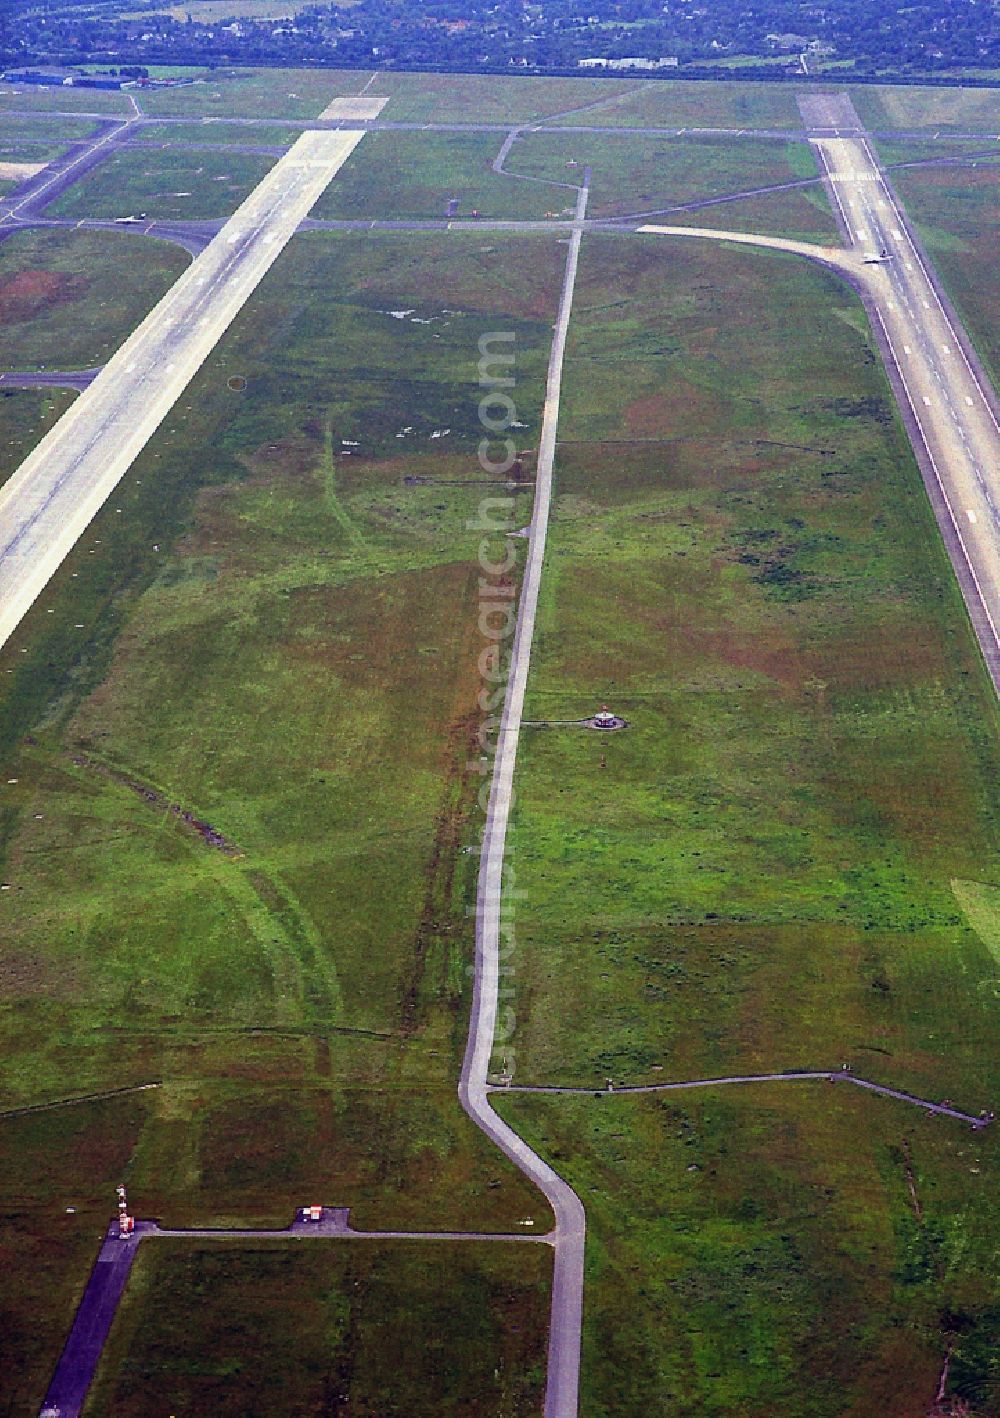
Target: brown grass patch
(28,293)
(685,409)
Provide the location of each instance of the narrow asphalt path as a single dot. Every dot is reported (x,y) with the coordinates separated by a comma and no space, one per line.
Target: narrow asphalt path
(945,1110)
(91,1326)
(334,1223)
(49,379)
(563,1378)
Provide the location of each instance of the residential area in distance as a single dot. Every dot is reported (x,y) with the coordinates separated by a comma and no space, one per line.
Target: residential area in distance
(499,742)
(944,41)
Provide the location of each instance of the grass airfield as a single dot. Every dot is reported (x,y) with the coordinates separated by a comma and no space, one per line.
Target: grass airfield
(795,864)
(757,875)
(68,297)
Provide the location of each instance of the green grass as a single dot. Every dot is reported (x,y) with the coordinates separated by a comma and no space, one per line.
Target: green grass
(369,1328)
(414,175)
(758,1251)
(57,132)
(280,640)
(165,184)
(972,110)
(254,93)
(25,416)
(630,174)
(39,99)
(955,210)
(803,215)
(892,151)
(40,140)
(69,298)
(670,103)
(760,876)
(441,98)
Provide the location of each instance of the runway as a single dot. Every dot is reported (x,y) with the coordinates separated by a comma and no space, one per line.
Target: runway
(945,399)
(63,483)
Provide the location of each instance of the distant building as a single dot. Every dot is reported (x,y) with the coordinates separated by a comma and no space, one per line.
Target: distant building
(64,78)
(666,62)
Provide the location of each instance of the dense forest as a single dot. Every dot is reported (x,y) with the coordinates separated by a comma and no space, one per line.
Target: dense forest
(939,38)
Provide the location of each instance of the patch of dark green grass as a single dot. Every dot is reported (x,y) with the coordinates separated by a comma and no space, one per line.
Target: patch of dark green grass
(392,1329)
(782,1249)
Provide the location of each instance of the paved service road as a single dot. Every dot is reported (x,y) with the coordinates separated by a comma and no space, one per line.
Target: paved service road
(49,379)
(65,480)
(77,1363)
(829,255)
(827,1075)
(563,1377)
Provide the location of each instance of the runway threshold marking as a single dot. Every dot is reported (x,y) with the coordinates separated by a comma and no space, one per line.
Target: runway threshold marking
(60,487)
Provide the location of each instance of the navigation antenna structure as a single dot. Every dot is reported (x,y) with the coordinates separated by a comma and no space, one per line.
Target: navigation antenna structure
(126,1223)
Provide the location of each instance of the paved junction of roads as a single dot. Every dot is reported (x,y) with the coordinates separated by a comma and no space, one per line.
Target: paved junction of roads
(947,405)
